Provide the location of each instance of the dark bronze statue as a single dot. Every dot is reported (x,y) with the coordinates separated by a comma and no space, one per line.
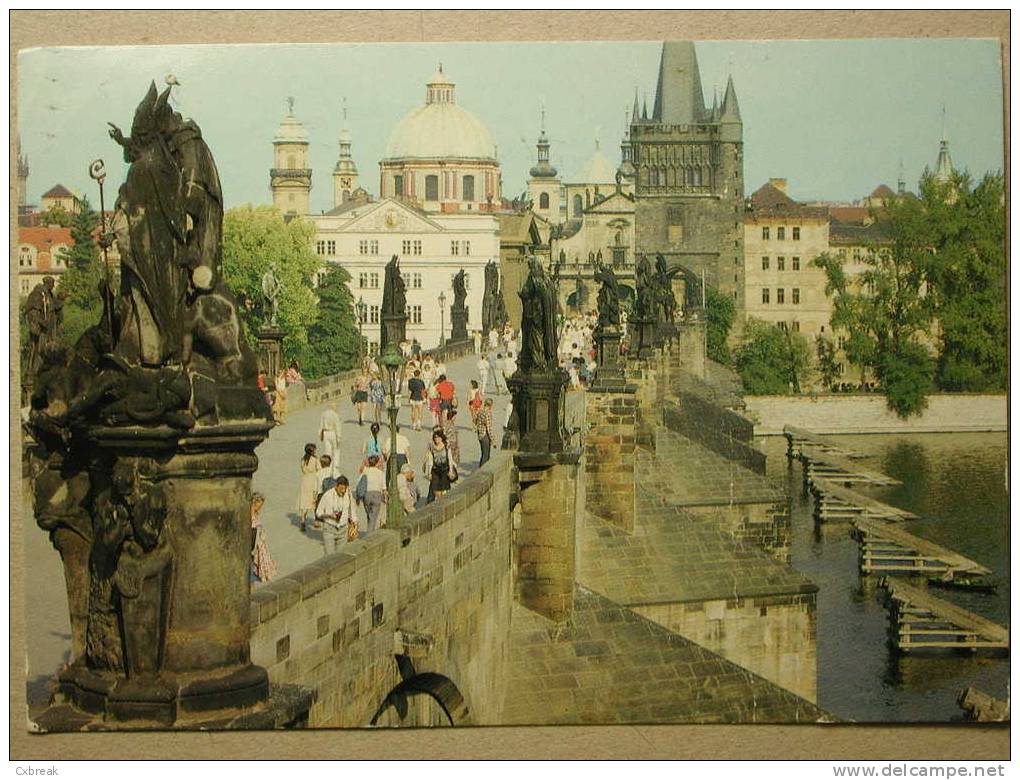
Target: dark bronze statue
(42,314)
(538,320)
(609,297)
(459,290)
(394,301)
(644,292)
(666,298)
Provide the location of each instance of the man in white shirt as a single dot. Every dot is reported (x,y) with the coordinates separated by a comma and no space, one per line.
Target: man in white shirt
(329,431)
(493,340)
(336,511)
(476,337)
(483,373)
(509,367)
(375,493)
(403,454)
(408,490)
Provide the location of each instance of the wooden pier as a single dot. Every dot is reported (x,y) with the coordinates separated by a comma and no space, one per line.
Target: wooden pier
(887,549)
(819,464)
(799,437)
(836,503)
(926,622)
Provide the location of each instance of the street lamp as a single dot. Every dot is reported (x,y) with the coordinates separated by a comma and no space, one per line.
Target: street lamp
(442,312)
(361,329)
(392,361)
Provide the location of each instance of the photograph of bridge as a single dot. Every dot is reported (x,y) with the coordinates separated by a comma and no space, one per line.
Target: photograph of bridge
(476,384)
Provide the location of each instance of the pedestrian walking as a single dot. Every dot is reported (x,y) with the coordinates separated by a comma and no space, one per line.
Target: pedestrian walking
(474,400)
(377,397)
(280,397)
(497,370)
(403,451)
(483,428)
(407,489)
(434,405)
(308,491)
(416,394)
(476,338)
(483,372)
(439,468)
(329,431)
(372,446)
(359,393)
(263,567)
(447,393)
(450,429)
(374,494)
(509,368)
(336,513)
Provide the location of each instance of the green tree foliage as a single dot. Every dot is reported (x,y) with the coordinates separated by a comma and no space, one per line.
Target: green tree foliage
(79,284)
(772,360)
(719,313)
(906,372)
(333,338)
(825,358)
(255,237)
(55,215)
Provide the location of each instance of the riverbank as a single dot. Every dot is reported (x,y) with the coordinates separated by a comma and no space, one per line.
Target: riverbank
(868,413)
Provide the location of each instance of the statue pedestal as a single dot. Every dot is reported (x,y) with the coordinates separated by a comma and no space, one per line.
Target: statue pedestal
(538,413)
(458,325)
(610,375)
(642,339)
(270,352)
(168,604)
(394,330)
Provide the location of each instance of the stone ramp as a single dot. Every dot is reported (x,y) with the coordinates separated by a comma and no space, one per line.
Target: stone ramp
(609,665)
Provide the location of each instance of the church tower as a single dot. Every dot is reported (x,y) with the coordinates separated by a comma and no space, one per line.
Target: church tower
(944,164)
(689,187)
(290,178)
(543,183)
(345,174)
(23,172)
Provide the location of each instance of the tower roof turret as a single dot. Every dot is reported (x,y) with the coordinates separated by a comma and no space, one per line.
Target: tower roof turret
(730,108)
(678,96)
(291,129)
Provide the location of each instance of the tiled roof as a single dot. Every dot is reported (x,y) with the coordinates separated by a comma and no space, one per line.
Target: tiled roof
(42,238)
(855,234)
(858,214)
(882,191)
(59,191)
(769,201)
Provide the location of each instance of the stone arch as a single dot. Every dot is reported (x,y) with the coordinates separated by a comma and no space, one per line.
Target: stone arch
(432,686)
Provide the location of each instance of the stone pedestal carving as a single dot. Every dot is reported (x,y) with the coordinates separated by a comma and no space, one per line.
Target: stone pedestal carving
(394,328)
(270,353)
(610,374)
(642,339)
(458,325)
(537,421)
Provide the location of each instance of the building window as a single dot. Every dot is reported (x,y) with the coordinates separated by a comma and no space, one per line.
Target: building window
(857,254)
(795,326)
(780,233)
(363,247)
(469,188)
(764,264)
(796,263)
(373,280)
(543,200)
(373,247)
(320,247)
(842,342)
(765,233)
(416,281)
(373,315)
(25,257)
(432,187)
(796,234)
(414,314)
(619,256)
(398,185)
(373,348)
(781,263)
(578,205)
(467,247)
(405,247)
(842,254)
(455,248)
(780,295)
(467,281)
(417,247)
(764,294)
(362,281)
(796,294)
(331,248)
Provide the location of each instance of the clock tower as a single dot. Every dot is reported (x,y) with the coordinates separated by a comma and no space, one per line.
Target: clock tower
(345,174)
(290,178)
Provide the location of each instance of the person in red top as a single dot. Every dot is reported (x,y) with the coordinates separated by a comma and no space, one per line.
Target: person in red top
(446,392)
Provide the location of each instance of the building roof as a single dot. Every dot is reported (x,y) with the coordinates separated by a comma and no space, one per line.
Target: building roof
(59,191)
(42,238)
(518,229)
(291,129)
(597,170)
(851,214)
(847,234)
(679,99)
(882,191)
(769,201)
(440,130)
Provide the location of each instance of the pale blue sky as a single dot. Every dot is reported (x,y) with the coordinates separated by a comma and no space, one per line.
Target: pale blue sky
(833,117)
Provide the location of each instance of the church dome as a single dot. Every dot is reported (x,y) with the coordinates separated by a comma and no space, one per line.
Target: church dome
(291,129)
(440,129)
(598,170)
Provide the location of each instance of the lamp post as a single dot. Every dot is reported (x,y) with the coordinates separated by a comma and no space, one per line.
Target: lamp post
(442,313)
(361,329)
(392,361)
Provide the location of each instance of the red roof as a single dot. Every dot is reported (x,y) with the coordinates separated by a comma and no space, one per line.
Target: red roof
(850,214)
(60,191)
(882,191)
(769,201)
(42,238)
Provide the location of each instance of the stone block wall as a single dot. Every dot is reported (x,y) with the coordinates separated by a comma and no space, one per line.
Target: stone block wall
(772,636)
(762,526)
(609,455)
(868,413)
(445,577)
(644,375)
(723,431)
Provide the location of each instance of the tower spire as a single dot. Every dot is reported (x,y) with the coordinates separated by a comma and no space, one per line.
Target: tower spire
(730,108)
(679,99)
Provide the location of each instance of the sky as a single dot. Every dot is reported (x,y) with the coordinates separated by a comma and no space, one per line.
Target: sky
(835,118)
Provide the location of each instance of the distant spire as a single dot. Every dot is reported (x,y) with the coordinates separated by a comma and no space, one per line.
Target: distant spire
(730,107)
(644,109)
(635,114)
(343,103)
(901,184)
(290,106)
(542,126)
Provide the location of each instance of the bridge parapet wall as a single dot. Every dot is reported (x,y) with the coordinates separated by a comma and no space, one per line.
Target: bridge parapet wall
(444,579)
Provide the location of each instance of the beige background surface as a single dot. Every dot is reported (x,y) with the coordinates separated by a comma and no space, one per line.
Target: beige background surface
(52,28)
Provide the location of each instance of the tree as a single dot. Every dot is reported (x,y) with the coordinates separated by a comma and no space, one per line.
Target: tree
(56,215)
(255,237)
(83,306)
(772,360)
(333,338)
(719,313)
(825,354)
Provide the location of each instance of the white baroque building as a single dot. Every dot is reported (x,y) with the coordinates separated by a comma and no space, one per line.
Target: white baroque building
(440,183)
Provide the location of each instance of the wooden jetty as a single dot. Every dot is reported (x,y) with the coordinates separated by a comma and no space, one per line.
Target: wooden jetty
(886,548)
(926,622)
(819,464)
(799,437)
(836,503)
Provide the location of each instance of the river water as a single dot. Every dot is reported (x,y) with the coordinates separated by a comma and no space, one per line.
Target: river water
(956,483)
